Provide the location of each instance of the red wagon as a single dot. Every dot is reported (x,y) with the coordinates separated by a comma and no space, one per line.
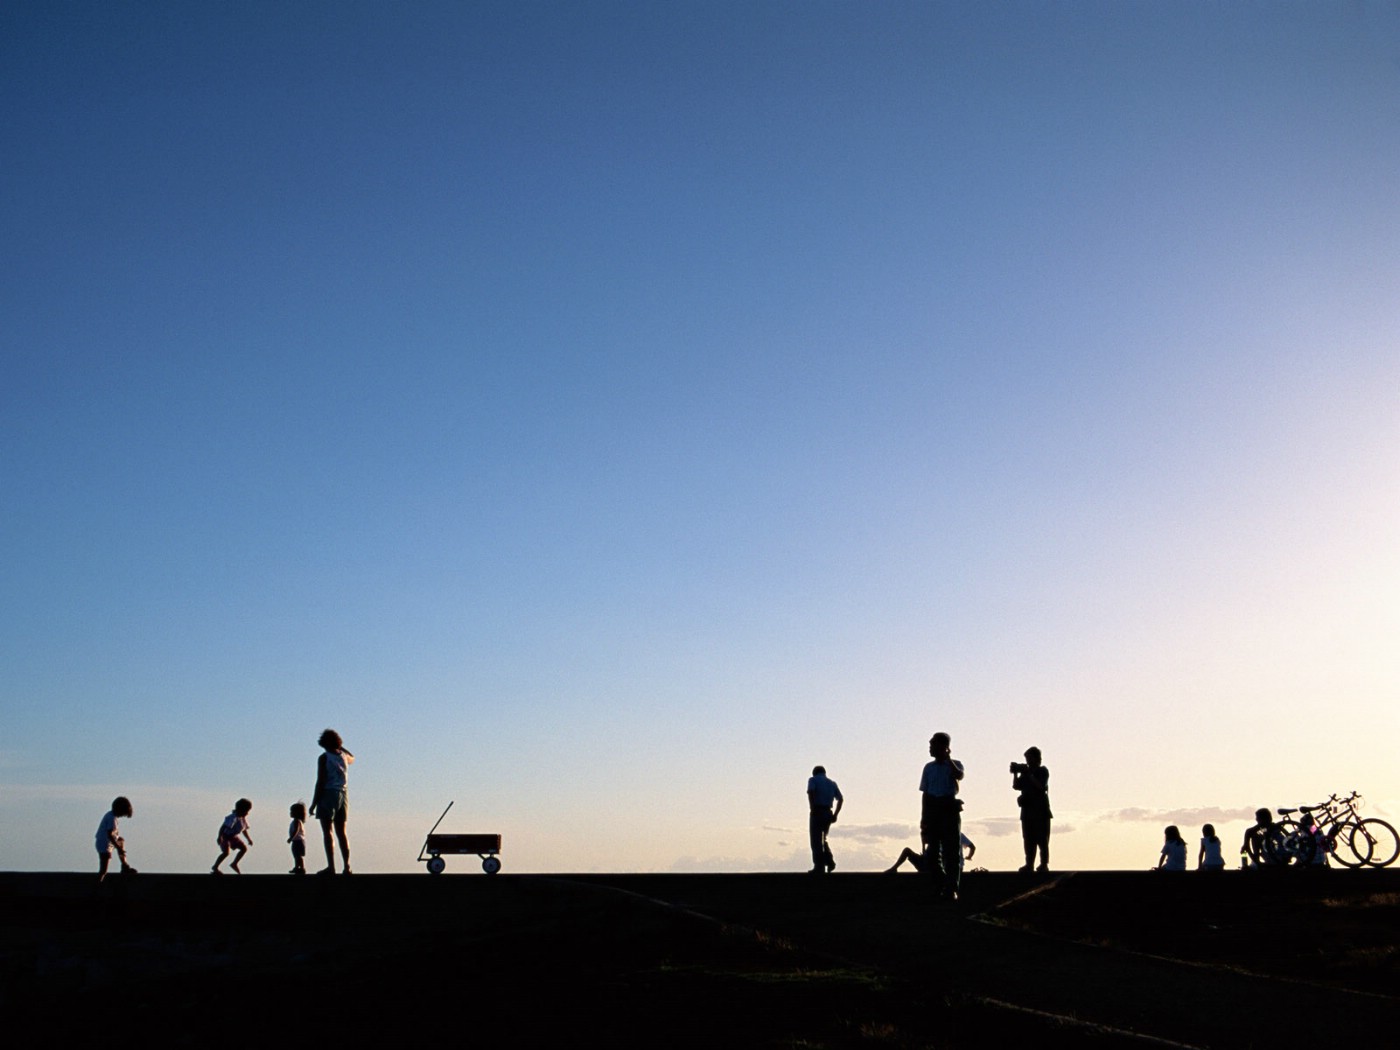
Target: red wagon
(436,846)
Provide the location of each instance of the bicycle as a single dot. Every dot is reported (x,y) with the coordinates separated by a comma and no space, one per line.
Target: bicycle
(1297,841)
(1346,837)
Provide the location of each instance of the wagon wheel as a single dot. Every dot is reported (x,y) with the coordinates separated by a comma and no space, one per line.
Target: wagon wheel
(436,866)
(491,865)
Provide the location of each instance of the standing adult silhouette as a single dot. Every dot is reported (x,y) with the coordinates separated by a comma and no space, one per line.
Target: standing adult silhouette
(940,823)
(821,793)
(330,803)
(1032,780)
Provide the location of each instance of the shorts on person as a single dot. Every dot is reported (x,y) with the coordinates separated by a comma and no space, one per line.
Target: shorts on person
(333,805)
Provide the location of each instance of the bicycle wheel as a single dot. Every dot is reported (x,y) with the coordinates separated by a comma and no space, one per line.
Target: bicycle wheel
(1351,846)
(1385,843)
(1291,844)
(1266,847)
(1299,844)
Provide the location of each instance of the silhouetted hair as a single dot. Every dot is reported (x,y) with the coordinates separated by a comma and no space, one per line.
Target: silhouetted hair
(941,738)
(819,771)
(298,811)
(330,740)
(1173,833)
(243,807)
(121,806)
(1263,816)
(1033,751)
(1209,832)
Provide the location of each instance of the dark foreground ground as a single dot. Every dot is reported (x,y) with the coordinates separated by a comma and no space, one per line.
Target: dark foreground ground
(1092,959)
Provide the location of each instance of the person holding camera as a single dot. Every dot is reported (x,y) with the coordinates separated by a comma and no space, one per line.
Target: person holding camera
(940,824)
(1032,780)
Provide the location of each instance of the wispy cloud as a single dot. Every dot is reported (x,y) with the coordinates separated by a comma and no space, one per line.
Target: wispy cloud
(794,861)
(999,827)
(1199,815)
(873,832)
(780,831)
(996,827)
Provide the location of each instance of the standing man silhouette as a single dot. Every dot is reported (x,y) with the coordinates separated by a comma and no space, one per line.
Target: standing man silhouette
(941,822)
(821,793)
(1032,780)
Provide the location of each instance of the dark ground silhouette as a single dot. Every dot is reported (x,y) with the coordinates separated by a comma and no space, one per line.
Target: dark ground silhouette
(1102,958)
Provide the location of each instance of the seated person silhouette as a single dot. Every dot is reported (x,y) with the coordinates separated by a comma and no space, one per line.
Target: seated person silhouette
(1263,842)
(921,861)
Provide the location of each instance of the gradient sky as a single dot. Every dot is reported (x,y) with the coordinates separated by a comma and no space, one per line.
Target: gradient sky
(602,413)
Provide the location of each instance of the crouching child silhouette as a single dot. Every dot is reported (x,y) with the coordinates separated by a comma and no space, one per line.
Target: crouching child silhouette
(109,839)
(234,835)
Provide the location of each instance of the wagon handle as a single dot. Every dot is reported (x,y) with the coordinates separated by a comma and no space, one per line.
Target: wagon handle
(444,813)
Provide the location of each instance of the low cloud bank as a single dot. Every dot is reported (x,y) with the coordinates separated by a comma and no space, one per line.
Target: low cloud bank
(872,832)
(702,865)
(996,827)
(1199,815)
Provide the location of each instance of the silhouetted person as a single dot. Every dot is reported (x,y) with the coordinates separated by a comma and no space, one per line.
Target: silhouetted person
(821,793)
(1032,780)
(330,802)
(108,839)
(1210,857)
(1263,841)
(940,824)
(1173,856)
(296,837)
(232,832)
(920,861)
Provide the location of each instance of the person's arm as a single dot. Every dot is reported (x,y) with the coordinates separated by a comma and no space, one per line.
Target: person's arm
(837,811)
(957,768)
(320,782)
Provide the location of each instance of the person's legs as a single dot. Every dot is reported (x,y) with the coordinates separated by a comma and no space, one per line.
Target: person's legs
(1028,842)
(330,847)
(949,846)
(103,860)
(344,843)
(906,855)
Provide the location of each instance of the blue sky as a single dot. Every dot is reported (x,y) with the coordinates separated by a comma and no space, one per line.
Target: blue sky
(603,413)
